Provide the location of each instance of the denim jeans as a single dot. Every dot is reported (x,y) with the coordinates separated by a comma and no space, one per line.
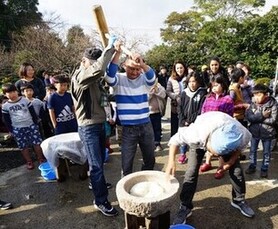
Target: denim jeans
(183,149)
(156,124)
(93,138)
(195,157)
(266,153)
(131,136)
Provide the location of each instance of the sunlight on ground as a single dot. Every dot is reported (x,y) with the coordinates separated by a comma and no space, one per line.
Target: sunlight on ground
(271,183)
(23,208)
(268,208)
(86,209)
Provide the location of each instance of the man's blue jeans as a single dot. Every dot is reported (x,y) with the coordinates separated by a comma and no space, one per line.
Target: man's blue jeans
(93,138)
(131,136)
(266,153)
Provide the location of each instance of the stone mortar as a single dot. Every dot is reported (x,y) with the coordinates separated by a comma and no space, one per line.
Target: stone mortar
(145,207)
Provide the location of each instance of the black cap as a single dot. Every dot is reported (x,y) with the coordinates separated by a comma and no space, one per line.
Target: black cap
(260,88)
(92,53)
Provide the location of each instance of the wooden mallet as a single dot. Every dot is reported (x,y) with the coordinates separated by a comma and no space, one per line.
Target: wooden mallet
(103,28)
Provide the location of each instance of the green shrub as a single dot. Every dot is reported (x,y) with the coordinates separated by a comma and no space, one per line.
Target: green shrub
(8,79)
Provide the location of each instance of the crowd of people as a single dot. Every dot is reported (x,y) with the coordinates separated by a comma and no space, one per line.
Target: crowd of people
(215,112)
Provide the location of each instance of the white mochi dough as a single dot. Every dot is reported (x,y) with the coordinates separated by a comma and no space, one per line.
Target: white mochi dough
(146,189)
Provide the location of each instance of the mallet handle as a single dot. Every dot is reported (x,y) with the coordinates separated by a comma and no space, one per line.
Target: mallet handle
(101,23)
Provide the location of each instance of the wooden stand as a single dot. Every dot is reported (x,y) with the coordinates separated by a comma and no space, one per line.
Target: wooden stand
(160,222)
(63,170)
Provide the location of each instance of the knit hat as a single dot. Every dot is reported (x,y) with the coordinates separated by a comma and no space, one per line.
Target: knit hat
(226,139)
(92,53)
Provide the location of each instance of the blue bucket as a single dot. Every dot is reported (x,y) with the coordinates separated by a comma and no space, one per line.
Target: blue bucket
(181,226)
(47,172)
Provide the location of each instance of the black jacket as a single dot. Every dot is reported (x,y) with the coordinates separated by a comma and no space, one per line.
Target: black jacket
(261,127)
(191,105)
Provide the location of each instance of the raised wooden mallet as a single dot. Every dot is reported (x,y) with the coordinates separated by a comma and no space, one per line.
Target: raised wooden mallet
(103,28)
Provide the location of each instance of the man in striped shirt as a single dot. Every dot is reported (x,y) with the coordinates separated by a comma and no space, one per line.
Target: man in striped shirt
(131,94)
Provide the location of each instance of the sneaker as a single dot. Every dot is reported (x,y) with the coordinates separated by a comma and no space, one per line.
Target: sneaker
(205,167)
(106,209)
(264,174)
(30,165)
(5,205)
(108,185)
(183,213)
(182,159)
(219,174)
(244,208)
(250,170)
(158,148)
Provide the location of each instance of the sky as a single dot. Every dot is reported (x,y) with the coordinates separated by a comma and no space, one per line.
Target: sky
(135,17)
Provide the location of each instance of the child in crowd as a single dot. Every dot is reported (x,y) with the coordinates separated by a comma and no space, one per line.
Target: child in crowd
(61,109)
(3,128)
(48,77)
(5,136)
(237,76)
(27,90)
(247,85)
(50,89)
(115,118)
(21,120)
(262,115)
(46,122)
(217,100)
(157,103)
(111,115)
(62,116)
(192,99)
(119,129)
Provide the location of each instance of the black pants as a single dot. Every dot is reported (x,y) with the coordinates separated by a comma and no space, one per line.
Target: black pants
(157,129)
(195,158)
(174,123)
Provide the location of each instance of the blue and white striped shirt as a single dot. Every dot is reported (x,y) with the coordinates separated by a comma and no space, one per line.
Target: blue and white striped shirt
(131,95)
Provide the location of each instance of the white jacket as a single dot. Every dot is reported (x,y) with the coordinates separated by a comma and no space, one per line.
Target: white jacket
(199,131)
